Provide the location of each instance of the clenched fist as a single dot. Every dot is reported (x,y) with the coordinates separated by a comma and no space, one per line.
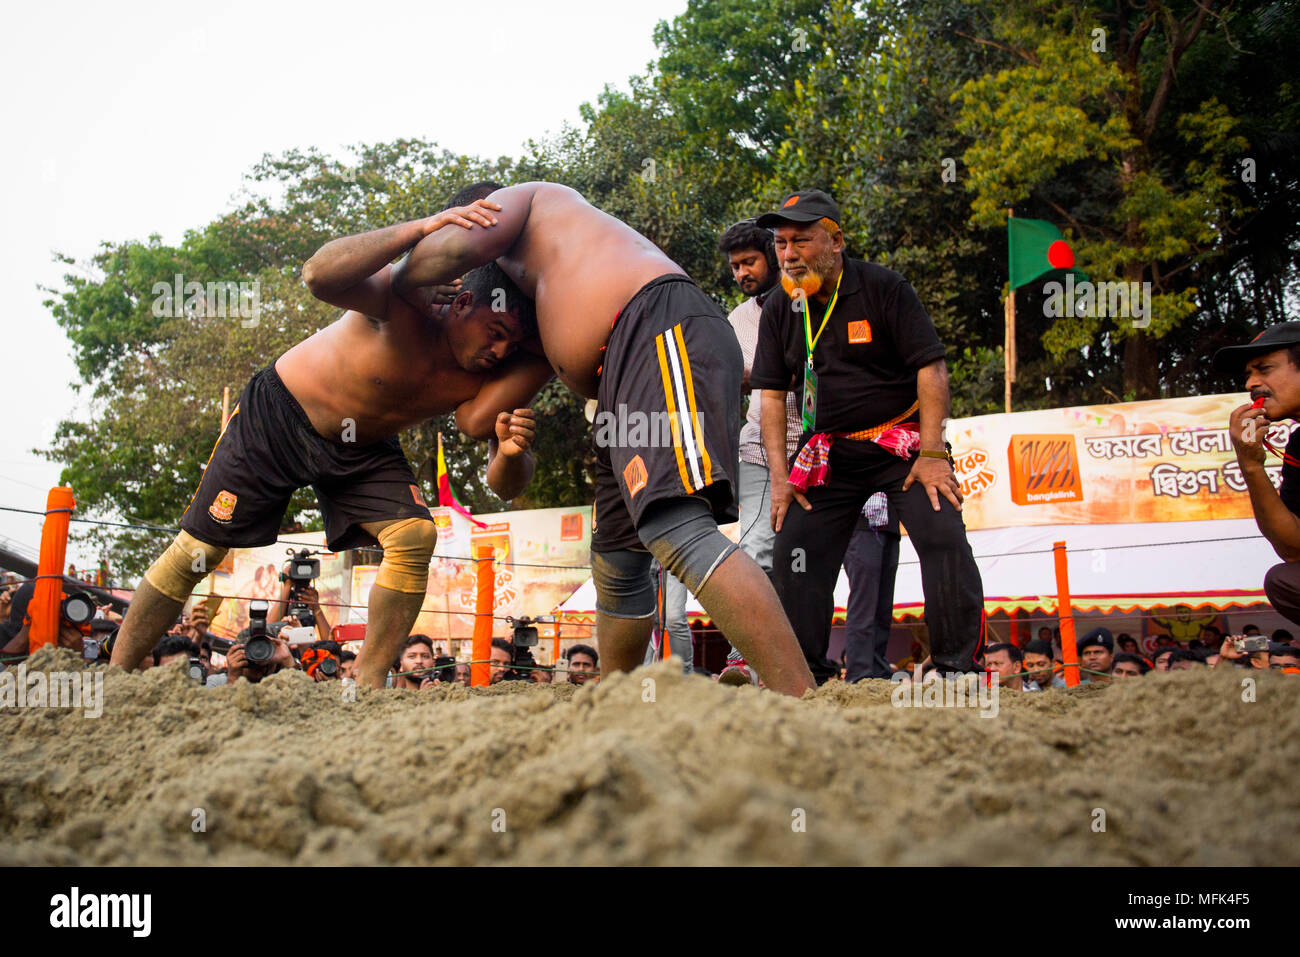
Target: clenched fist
(515,432)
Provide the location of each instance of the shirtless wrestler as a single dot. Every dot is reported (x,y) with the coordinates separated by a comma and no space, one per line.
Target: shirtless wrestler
(622,323)
(327,414)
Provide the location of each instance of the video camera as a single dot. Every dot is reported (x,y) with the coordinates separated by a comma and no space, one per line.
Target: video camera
(256,639)
(303,570)
(523,664)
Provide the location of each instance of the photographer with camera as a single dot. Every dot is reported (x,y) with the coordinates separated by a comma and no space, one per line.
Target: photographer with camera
(321,660)
(1244,651)
(76,612)
(256,652)
(299,599)
(173,647)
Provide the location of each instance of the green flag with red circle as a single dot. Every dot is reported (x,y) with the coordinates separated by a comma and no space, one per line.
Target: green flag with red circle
(1035,248)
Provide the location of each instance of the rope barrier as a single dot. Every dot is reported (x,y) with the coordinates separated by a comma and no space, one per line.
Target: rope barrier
(279,541)
(464,558)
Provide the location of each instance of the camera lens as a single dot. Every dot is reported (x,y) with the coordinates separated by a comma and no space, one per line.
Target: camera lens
(259,650)
(78,608)
(329,666)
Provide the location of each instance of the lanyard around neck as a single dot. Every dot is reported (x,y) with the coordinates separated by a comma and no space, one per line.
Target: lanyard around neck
(830,306)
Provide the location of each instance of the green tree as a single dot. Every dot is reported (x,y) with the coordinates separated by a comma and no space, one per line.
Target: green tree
(155,378)
(1078,129)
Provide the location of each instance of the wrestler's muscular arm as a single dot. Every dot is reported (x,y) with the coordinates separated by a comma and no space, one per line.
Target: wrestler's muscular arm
(447,254)
(353,272)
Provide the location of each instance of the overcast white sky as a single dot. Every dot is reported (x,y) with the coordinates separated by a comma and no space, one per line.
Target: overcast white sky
(127,119)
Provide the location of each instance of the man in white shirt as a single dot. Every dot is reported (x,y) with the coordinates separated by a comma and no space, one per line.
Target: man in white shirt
(752,257)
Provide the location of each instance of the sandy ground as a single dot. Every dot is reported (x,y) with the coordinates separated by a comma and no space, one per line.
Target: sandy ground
(288,772)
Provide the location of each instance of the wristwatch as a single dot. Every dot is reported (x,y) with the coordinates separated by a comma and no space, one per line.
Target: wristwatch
(933,454)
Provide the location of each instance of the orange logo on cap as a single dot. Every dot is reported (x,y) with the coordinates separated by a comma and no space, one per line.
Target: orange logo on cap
(223,506)
(790,202)
(635,476)
(415,494)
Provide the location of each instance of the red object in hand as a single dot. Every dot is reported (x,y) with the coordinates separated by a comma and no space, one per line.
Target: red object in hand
(1258,403)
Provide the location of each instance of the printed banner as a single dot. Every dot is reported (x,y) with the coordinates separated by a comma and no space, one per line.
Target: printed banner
(1168,460)
(540,557)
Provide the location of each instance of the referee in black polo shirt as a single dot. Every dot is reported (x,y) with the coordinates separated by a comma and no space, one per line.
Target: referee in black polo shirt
(854,340)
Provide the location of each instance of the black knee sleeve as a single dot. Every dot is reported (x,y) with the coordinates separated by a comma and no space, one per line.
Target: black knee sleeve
(623,586)
(683,535)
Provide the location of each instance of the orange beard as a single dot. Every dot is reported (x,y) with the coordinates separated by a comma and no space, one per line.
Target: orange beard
(810,284)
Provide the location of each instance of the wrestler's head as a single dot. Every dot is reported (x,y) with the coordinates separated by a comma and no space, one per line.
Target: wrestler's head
(488,319)
(809,254)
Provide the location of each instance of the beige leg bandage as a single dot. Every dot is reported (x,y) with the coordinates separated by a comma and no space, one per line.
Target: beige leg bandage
(186,562)
(408,546)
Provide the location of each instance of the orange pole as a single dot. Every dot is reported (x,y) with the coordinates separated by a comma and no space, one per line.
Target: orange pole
(1066,614)
(480,672)
(44,607)
(225,406)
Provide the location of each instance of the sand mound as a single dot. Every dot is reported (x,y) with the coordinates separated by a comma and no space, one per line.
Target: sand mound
(288,772)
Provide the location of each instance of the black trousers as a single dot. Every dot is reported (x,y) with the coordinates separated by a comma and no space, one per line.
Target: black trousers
(871,564)
(809,550)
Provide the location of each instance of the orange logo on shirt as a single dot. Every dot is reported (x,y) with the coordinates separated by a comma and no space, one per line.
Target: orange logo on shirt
(859,331)
(415,494)
(223,506)
(635,476)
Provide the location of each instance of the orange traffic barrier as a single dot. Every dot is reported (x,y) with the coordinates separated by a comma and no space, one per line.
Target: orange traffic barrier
(1066,614)
(44,608)
(480,671)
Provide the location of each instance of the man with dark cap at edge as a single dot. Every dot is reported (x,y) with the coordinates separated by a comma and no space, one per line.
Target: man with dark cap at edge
(1270,364)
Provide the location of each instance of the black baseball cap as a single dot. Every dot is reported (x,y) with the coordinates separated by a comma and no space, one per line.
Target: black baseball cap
(1234,358)
(1098,636)
(806,206)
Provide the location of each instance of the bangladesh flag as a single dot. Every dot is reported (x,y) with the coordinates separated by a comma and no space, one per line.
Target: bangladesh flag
(1036,247)
(446,497)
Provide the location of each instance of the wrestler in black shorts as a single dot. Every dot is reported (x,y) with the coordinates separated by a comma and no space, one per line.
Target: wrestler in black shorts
(671,352)
(269,450)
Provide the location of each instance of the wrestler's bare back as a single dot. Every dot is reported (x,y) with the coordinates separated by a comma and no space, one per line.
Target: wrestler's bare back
(580,266)
(368,381)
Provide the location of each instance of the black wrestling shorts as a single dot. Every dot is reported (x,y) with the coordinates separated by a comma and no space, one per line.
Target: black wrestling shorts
(668,410)
(269,450)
